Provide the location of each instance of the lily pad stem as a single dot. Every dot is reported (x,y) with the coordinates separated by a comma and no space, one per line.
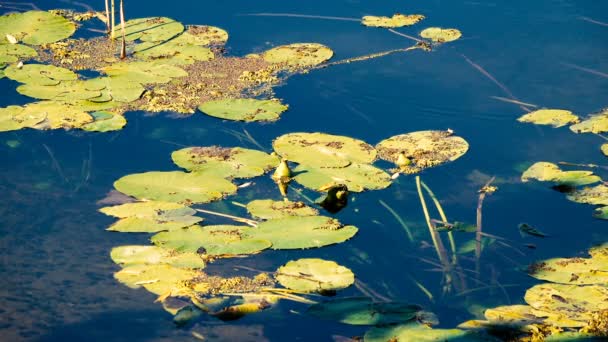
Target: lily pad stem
(399,219)
(482,196)
(235,218)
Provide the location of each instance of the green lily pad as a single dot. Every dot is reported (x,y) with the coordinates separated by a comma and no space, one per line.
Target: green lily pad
(314,275)
(114,123)
(40,74)
(223,162)
(511,315)
(397,20)
(357,177)
(155,29)
(552,117)
(422,333)
(212,240)
(151,216)
(159,279)
(298,54)
(269,209)
(175,186)
(35,27)
(12,53)
(57,115)
(323,150)
(153,255)
(549,172)
(579,271)
(66,91)
(423,149)
(597,195)
(144,72)
(597,123)
(16,117)
(299,232)
(440,35)
(141,209)
(205,35)
(363,311)
(176,51)
(119,89)
(244,109)
(601,213)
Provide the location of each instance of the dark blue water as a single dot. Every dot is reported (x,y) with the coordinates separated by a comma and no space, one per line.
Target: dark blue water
(56,274)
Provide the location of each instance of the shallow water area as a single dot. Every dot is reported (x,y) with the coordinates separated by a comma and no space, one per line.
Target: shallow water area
(57,276)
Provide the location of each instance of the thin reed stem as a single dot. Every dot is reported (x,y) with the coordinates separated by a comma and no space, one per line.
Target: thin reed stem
(482,196)
(123,48)
(399,219)
(443,218)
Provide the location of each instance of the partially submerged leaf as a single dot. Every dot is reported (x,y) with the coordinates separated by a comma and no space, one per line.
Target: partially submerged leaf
(364,311)
(527,229)
(422,333)
(549,172)
(244,109)
(397,20)
(298,54)
(597,123)
(175,186)
(35,27)
(440,35)
(601,213)
(314,275)
(269,209)
(357,177)
(153,255)
(552,117)
(597,195)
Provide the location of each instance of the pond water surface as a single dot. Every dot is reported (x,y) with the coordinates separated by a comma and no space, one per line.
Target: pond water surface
(56,273)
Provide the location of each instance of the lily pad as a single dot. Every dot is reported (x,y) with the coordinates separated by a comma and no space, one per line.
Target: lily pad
(153,255)
(12,53)
(212,240)
(175,51)
(144,72)
(422,333)
(323,150)
(363,311)
(57,115)
(223,162)
(552,117)
(597,123)
(39,74)
(357,177)
(35,27)
(269,209)
(205,35)
(440,35)
(298,54)
(597,195)
(119,89)
(511,315)
(244,109)
(114,123)
(604,149)
(549,172)
(151,217)
(175,186)
(299,232)
(423,149)
(579,271)
(142,209)
(314,275)
(601,213)
(397,20)
(155,29)
(159,279)
(16,117)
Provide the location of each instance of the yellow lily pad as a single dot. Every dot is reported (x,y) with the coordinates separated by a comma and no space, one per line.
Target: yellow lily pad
(298,54)
(552,117)
(269,209)
(248,110)
(579,271)
(314,275)
(159,279)
(440,35)
(397,20)
(597,123)
(549,172)
(357,177)
(597,195)
(153,255)
(35,27)
(16,117)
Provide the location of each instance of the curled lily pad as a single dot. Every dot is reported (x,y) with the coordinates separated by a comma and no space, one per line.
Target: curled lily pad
(549,172)
(422,149)
(244,109)
(601,213)
(269,209)
(314,275)
(357,177)
(212,240)
(579,271)
(35,27)
(156,29)
(39,74)
(323,150)
(363,311)
(159,279)
(12,53)
(153,255)
(175,186)
(298,54)
(397,20)
(422,333)
(106,124)
(144,72)
(597,123)
(300,232)
(223,162)
(552,117)
(16,117)
(597,195)
(440,35)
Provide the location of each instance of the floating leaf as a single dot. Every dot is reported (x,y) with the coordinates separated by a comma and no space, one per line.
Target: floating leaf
(597,123)
(152,29)
(601,213)
(298,54)
(162,220)
(422,333)
(300,232)
(16,117)
(244,109)
(314,275)
(57,115)
(141,209)
(604,149)
(175,51)
(323,150)
(424,149)
(597,195)
(11,53)
(120,89)
(363,311)
(212,240)
(159,279)
(205,35)
(175,186)
(67,91)
(552,117)
(113,123)
(153,255)
(549,172)
(223,162)
(440,35)
(579,271)
(269,209)
(144,72)
(511,315)
(39,74)
(357,177)
(397,20)
(35,27)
